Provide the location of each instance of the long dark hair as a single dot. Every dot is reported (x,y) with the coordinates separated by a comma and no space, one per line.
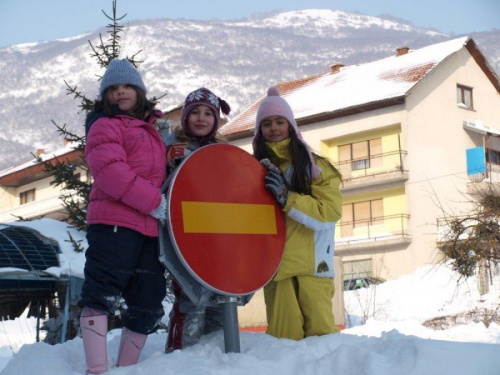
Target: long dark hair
(142,109)
(300,180)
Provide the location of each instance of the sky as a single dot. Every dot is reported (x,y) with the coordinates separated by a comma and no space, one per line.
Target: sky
(26,21)
(385,334)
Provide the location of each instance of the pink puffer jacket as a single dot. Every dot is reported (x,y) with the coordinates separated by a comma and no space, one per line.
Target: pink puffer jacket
(127,160)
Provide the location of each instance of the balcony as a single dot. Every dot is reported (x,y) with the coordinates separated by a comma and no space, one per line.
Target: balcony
(50,208)
(373,233)
(380,171)
(481,182)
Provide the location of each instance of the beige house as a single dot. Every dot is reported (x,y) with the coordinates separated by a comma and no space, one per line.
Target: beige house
(26,190)
(399,130)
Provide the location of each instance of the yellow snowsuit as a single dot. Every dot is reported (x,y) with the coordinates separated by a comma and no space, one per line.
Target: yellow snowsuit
(299,297)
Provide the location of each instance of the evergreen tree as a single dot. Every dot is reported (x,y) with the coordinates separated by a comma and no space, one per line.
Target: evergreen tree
(75,196)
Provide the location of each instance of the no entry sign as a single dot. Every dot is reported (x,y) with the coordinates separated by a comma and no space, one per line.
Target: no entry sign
(226,230)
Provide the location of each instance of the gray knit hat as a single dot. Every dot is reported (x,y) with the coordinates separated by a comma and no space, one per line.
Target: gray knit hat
(121,72)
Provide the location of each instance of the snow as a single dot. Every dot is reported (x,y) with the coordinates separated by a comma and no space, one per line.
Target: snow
(70,146)
(72,263)
(393,77)
(387,78)
(386,334)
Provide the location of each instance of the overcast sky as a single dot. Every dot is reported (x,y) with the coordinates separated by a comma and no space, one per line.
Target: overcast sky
(24,21)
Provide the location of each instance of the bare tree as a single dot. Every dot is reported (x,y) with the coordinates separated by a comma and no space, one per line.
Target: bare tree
(473,239)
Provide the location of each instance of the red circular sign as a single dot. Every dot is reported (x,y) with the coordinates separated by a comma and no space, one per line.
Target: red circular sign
(227,230)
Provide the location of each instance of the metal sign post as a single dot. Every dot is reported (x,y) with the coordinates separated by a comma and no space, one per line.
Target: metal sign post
(225,233)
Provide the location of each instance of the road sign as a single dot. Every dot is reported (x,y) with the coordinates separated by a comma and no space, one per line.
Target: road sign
(225,229)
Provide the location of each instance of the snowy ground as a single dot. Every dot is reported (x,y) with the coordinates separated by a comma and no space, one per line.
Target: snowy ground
(389,334)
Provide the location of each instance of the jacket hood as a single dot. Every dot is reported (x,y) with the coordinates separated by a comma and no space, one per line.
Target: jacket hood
(96,115)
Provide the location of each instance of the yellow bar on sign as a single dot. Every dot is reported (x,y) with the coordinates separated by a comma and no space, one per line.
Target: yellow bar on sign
(228,218)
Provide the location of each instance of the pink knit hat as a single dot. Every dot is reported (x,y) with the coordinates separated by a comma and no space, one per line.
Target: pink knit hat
(275,105)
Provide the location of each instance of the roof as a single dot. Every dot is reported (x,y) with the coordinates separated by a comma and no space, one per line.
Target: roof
(25,248)
(358,88)
(34,170)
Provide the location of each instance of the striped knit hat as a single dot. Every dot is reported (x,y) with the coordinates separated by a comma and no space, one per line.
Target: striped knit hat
(203,96)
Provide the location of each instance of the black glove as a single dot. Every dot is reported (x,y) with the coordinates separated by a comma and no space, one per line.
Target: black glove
(275,183)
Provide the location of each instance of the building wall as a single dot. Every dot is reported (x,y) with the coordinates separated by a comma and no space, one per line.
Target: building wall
(436,142)
(46,203)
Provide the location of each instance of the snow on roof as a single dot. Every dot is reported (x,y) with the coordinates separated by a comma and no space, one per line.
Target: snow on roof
(71,262)
(44,156)
(391,77)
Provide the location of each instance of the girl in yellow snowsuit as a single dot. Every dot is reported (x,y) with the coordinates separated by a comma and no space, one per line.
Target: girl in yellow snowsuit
(299,297)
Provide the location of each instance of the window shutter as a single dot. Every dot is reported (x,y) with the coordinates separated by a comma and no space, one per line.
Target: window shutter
(346,220)
(361,214)
(376,150)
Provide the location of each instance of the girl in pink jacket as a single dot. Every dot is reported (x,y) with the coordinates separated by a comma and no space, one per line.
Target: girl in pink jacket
(127,160)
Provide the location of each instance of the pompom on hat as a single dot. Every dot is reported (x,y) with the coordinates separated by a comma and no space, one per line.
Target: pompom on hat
(121,72)
(203,96)
(275,105)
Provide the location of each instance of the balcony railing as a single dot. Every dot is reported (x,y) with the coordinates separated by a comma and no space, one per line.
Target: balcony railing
(492,174)
(389,162)
(376,229)
(32,209)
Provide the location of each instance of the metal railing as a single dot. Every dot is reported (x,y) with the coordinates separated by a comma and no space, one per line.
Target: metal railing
(492,174)
(38,207)
(388,162)
(375,229)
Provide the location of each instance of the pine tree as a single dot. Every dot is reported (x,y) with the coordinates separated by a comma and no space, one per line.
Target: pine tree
(75,196)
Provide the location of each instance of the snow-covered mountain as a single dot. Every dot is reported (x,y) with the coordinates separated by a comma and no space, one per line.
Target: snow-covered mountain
(238,60)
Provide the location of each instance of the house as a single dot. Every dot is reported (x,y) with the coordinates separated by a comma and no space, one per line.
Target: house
(399,130)
(26,190)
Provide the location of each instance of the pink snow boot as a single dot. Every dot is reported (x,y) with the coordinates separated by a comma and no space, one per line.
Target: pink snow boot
(94,331)
(131,344)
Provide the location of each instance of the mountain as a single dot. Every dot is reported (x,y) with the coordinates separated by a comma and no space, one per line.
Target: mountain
(238,60)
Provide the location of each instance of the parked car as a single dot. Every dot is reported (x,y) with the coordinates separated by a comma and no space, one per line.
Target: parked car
(361,282)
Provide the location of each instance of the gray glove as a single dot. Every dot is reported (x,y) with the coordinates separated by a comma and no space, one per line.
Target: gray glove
(160,212)
(275,183)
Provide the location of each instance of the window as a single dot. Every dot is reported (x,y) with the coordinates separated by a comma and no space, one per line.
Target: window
(27,196)
(362,155)
(464,96)
(363,214)
(357,268)
(493,157)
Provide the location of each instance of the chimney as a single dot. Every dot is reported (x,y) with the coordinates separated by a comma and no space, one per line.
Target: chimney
(335,68)
(402,51)
(39,151)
